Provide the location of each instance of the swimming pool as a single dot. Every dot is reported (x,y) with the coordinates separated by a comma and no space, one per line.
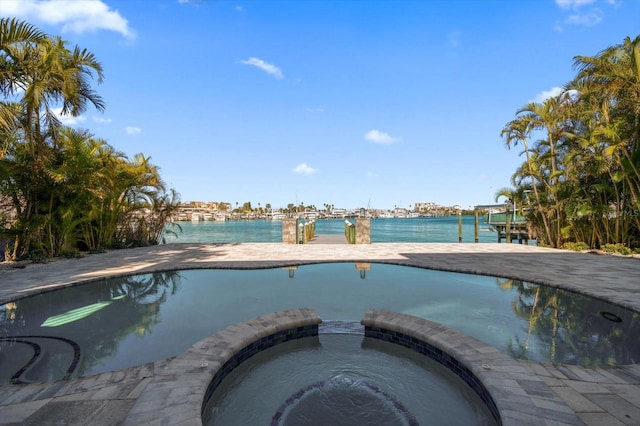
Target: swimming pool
(118,323)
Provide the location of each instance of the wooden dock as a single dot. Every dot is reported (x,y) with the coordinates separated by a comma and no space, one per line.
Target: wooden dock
(517,226)
(328,239)
(505,220)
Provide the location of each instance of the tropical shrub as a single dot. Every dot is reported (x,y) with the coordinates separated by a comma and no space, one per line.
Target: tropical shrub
(579,246)
(617,249)
(63,189)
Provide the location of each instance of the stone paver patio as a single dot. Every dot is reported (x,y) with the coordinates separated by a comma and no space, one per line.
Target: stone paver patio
(598,396)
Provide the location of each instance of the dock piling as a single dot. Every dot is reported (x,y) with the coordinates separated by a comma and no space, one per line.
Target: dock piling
(476,236)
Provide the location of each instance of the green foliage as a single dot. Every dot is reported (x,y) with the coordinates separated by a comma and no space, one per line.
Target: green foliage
(582,153)
(71,254)
(65,189)
(617,249)
(578,246)
(38,256)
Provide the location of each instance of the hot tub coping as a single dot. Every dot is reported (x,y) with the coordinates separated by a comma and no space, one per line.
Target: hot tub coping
(513,395)
(177,393)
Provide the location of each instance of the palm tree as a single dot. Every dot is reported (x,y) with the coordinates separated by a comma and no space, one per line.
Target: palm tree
(517,131)
(14,34)
(67,187)
(51,73)
(584,170)
(612,80)
(549,117)
(45,72)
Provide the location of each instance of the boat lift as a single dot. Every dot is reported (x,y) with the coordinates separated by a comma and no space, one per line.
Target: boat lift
(503,219)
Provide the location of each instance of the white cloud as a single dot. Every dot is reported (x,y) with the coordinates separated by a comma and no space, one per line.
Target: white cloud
(67,120)
(376,136)
(239,9)
(585,19)
(74,16)
(573,4)
(132,130)
(101,120)
(264,66)
(564,95)
(578,16)
(546,94)
(302,168)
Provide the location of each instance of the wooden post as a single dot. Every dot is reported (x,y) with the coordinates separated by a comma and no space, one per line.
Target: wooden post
(459,227)
(508,224)
(475,227)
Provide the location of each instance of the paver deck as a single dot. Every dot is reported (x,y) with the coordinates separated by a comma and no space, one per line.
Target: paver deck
(599,396)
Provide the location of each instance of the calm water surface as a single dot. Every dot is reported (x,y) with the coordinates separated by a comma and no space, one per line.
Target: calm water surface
(118,323)
(343,380)
(425,230)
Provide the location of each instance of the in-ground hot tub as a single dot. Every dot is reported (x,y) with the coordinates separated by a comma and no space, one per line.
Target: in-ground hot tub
(343,379)
(274,370)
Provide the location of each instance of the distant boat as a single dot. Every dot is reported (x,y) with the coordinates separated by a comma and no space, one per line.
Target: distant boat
(207,216)
(195,217)
(275,216)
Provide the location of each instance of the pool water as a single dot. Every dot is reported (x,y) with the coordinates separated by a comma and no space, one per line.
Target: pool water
(340,379)
(123,322)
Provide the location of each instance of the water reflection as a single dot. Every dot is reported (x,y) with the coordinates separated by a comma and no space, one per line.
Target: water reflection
(363,268)
(119,323)
(571,328)
(93,319)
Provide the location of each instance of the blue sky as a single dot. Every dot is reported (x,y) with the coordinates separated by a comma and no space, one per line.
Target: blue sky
(352,103)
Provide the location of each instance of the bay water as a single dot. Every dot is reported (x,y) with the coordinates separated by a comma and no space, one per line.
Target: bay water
(383,230)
